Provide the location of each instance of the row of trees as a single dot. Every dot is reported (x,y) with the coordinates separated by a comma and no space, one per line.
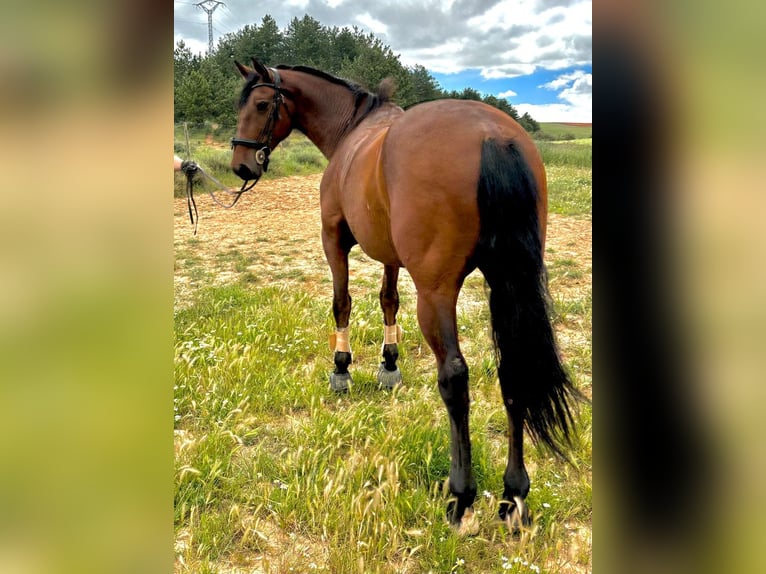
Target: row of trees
(206,88)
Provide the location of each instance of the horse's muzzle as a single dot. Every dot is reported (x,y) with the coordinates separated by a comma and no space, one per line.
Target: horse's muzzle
(246,173)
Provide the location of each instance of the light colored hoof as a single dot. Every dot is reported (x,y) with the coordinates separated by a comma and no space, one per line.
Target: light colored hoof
(389,379)
(518,518)
(339,382)
(469,524)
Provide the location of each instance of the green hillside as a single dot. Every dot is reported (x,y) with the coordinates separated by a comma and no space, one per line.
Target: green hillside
(566,131)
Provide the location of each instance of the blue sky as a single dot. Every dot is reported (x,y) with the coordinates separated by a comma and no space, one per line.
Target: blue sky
(537,53)
(527,92)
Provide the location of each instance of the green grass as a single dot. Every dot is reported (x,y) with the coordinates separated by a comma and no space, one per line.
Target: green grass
(558,131)
(570,191)
(275,473)
(577,153)
(570,177)
(270,463)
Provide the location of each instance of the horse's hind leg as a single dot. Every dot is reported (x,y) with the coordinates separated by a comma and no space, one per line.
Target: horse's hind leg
(437,318)
(388,374)
(513,510)
(337,242)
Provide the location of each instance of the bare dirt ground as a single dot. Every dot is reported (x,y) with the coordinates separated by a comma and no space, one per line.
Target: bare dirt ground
(273,234)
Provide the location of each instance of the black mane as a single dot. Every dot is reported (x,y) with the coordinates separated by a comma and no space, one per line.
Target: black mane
(373,100)
(354,88)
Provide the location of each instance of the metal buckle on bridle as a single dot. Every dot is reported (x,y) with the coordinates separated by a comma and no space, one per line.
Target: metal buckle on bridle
(261,154)
(262,157)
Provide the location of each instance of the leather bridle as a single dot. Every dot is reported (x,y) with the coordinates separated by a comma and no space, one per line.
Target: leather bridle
(261,143)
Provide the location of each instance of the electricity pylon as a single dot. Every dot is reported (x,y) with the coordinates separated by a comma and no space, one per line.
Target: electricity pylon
(209,6)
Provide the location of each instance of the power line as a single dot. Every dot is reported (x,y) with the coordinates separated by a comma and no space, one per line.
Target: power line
(221,32)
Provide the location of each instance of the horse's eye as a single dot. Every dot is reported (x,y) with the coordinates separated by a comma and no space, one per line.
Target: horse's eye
(262,106)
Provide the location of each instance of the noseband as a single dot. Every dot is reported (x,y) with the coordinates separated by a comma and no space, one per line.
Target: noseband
(261,143)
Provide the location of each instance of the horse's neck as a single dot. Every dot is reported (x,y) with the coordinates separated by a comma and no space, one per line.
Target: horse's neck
(324,113)
(325,135)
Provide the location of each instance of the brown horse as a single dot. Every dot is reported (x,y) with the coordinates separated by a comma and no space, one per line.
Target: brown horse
(441,189)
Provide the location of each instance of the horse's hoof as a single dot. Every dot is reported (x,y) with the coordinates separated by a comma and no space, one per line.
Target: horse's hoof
(515,515)
(389,379)
(468,525)
(339,382)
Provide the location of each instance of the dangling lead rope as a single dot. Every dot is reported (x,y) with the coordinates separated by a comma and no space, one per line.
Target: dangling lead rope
(194,217)
(191,169)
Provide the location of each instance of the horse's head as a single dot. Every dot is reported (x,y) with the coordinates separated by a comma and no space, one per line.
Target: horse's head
(263,121)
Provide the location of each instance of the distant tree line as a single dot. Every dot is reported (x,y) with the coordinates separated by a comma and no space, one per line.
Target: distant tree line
(206,88)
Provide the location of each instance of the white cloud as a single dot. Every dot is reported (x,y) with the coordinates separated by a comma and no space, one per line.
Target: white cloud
(375,25)
(576,95)
(558,112)
(507,71)
(579,92)
(550,35)
(440,58)
(507,94)
(578,76)
(196,46)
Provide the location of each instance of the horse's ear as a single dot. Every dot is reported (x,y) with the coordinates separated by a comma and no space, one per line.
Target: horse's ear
(244,70)
(386,89)
(262,71)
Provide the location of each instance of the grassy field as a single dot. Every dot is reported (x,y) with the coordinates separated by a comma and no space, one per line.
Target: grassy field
(275,473)
(557,131)
(568,166)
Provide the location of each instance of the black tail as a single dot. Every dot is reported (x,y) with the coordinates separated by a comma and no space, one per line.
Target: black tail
(510,256)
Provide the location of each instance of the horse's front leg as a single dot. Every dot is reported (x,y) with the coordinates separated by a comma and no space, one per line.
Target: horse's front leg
(337,242)
(389,375)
